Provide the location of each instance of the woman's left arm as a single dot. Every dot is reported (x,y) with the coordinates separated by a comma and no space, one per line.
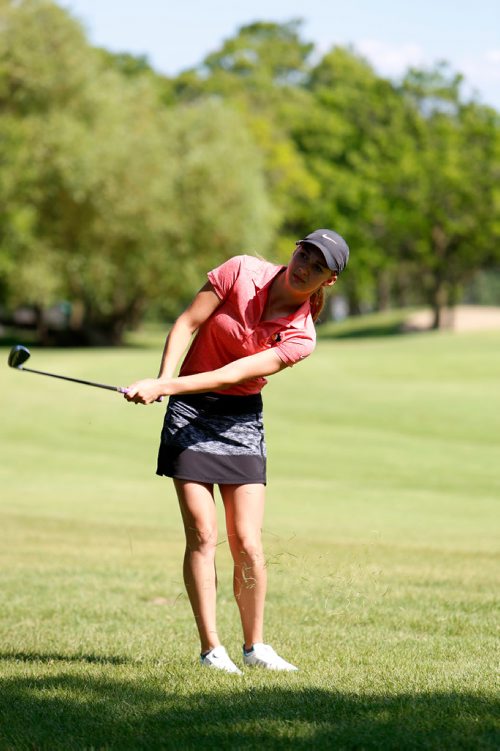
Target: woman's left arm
(262,364)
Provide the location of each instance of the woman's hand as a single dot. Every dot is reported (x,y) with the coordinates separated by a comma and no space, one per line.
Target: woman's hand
(146,391)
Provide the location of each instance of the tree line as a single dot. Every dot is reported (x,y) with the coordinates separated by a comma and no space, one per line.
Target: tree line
(120,187)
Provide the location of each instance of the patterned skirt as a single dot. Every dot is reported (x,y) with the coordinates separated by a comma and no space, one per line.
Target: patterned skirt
(213,438)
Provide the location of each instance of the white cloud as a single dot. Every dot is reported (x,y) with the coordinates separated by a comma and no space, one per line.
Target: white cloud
(391,59)
(485,67)
(482,75)
(493,56)
(481,71)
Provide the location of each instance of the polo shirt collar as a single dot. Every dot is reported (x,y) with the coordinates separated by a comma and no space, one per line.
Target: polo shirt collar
(295,320)
(267,275)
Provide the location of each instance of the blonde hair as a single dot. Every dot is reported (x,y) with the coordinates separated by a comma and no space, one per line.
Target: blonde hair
(317,303)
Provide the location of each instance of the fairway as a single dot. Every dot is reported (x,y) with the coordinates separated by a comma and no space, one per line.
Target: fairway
(381,536)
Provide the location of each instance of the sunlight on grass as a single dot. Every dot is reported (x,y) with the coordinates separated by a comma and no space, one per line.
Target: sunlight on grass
(382,547)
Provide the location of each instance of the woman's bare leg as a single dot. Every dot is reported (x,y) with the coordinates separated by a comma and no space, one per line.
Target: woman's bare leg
(198,511)
(244,507)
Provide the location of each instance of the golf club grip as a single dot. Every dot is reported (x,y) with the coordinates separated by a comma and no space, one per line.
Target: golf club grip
(76,380)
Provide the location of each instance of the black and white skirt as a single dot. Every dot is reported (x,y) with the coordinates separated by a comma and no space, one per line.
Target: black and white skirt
(213,438)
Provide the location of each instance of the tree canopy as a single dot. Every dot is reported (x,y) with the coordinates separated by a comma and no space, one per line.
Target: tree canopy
(121,187)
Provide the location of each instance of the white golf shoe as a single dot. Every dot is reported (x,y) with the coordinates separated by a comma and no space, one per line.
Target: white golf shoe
(219,659)
(264,656)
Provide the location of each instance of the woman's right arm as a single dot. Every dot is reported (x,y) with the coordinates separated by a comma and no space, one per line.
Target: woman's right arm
(202,307)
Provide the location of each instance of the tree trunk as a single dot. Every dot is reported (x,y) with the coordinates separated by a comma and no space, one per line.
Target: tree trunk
(353,302)
(92,329)
(440,292)
(383,291)
(42,331)
(442,312)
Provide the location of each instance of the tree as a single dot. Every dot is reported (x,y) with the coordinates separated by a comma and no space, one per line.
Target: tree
(456,225)
(45,65)
(262,72)
(112,200)
(221,205)
(354,140)
(120,187)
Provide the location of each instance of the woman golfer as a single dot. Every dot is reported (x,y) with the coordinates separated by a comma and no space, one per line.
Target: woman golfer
(252,319)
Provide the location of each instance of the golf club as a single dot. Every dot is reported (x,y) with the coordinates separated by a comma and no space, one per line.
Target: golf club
(19,354)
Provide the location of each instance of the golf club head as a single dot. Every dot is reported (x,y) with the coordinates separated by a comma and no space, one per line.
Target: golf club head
(18,355)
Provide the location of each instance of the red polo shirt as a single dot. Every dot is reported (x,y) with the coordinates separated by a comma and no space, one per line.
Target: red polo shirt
(236,328)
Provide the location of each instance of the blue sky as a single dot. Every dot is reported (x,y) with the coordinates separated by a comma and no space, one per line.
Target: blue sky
(392,34)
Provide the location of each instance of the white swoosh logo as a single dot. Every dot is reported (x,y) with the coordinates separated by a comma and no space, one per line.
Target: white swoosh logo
(330,238)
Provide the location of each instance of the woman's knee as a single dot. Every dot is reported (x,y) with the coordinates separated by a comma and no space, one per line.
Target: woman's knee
(201,538)
(247,549)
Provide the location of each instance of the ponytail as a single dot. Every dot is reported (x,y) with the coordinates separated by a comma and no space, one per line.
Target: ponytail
(317,303)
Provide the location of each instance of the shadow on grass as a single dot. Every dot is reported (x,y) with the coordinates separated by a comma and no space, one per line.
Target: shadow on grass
(368,329)
(396,322)
(145,338)
(47,657)
(9,341)
(365,332)
(77,712)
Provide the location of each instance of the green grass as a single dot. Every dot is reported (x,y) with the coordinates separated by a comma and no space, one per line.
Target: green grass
(382,543)
(386,323)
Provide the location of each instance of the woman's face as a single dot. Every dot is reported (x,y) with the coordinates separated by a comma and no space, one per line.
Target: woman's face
(307,270)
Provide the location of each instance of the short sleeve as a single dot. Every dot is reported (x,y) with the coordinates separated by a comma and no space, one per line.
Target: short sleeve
(224,276)
(295,346)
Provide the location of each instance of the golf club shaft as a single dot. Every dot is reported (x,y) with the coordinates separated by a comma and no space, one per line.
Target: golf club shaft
(76,380)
